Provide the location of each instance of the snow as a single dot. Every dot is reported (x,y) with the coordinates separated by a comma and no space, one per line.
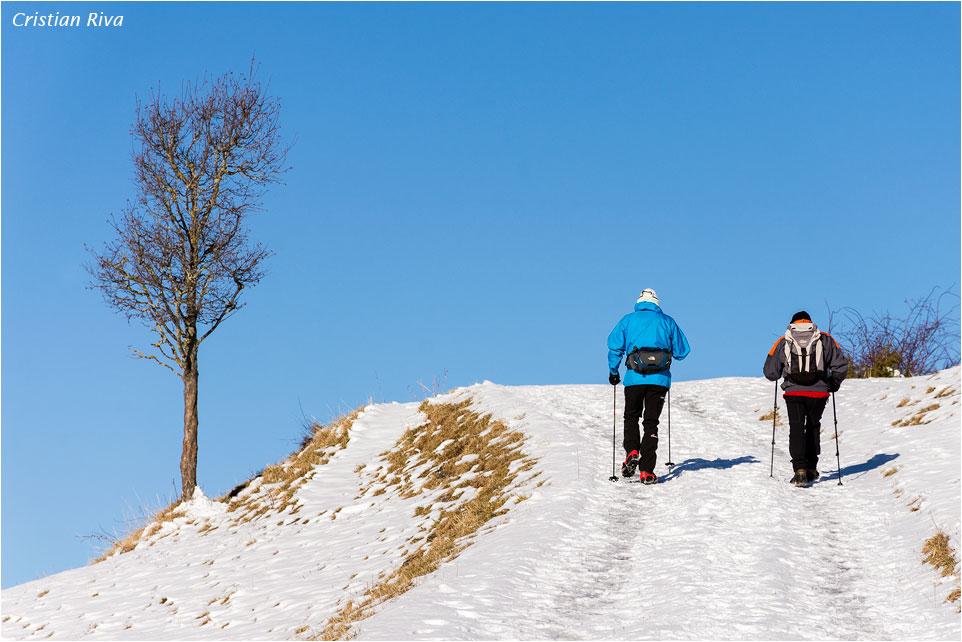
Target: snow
(199,507)
(719,550)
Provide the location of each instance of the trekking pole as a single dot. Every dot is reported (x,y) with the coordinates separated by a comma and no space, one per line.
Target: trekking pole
(774,417)
(614,427)
(838,459)
(670,463)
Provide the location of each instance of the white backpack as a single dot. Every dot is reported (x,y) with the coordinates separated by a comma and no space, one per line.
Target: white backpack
(804,363)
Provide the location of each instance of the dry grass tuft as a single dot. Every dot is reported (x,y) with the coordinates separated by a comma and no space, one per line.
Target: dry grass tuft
(947,391)
(890,472)
(939,554)
(770,414)
(454,450)
(903,403)
(129,543)
(918,418)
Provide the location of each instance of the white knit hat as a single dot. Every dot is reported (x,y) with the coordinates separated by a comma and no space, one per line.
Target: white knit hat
(648,295)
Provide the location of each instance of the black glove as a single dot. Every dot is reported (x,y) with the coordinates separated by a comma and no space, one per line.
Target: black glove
(834,385)
(614,378)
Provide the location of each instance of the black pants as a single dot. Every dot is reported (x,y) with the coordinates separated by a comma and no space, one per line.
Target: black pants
(804,423)
(643,402)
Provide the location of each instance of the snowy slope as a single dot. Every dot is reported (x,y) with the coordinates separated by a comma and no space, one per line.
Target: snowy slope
(719,550)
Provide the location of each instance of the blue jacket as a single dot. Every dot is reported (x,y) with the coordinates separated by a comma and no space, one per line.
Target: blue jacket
(646,327)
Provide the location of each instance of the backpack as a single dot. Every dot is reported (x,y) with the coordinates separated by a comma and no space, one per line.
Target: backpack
(804,364)
(646,361)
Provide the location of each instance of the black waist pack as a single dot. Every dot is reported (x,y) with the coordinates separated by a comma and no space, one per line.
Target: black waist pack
(646,361)
(805,378)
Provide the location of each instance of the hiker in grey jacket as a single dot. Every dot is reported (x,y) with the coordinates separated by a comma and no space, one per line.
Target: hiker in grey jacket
(813,366)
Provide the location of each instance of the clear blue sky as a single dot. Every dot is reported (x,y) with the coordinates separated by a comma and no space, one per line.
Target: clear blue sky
(481,189)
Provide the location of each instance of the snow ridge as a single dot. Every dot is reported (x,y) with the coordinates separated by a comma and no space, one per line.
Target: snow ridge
(717,550)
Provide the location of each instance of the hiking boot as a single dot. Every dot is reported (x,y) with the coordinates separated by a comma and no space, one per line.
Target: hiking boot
(630,464)
(648,478)
(800,478)
(812,474)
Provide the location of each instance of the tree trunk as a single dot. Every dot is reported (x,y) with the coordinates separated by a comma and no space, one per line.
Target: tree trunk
(188,457)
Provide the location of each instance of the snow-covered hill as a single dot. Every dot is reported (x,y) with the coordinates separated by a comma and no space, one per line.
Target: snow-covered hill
(718,550)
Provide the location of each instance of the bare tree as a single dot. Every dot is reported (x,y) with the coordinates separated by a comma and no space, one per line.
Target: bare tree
(883,345)
(181,256)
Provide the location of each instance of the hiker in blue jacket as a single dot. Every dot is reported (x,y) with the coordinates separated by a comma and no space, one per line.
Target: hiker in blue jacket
(651,339)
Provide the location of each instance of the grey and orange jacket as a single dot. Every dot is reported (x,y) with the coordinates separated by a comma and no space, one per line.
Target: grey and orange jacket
(835,367)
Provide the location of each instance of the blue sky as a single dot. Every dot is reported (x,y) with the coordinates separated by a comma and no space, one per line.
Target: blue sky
(480,190)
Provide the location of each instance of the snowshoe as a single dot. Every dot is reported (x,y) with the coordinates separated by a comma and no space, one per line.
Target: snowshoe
(800,478)
(630,464)
(812,474)
(648,478)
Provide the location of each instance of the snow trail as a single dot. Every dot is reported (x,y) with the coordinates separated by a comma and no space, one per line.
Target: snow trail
(718,549)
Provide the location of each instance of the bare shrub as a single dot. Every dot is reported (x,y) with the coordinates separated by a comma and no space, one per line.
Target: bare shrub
(922,342)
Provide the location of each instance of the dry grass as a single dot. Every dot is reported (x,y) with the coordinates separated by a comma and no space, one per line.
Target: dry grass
(273,490)
(770,414)
(918,418)
(455,449)
(890,472)
(947,391)
(129,543)
(939,554)
(903,403)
